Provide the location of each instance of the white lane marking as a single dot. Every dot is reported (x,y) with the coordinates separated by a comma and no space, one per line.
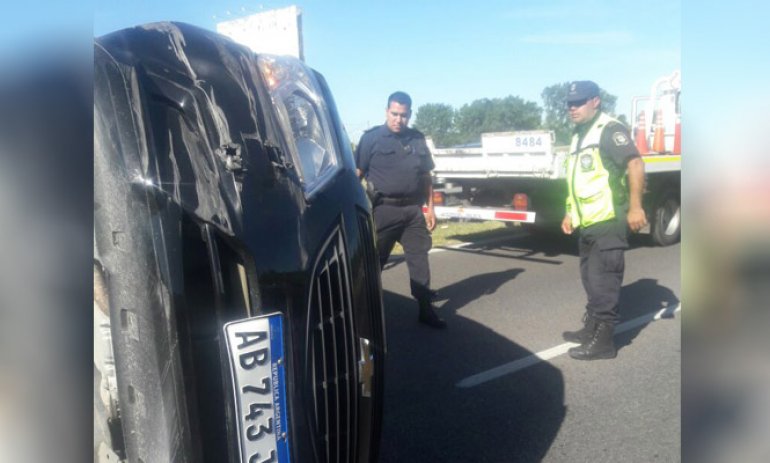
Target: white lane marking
(497,239)
(520,364)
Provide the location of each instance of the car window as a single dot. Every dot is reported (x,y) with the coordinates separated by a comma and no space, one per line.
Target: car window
(303,117)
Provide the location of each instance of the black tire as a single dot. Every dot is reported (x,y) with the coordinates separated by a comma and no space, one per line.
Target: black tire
(666,222)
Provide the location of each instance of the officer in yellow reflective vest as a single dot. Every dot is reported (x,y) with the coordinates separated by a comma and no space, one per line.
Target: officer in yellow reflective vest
(605,180)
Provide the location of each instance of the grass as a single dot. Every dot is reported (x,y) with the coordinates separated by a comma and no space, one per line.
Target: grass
(448,233)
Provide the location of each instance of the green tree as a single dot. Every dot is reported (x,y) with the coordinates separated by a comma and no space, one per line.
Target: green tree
(496,115)
(557,116)
(437,120)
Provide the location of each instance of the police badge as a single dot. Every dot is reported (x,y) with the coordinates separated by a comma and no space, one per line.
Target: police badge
(586,162)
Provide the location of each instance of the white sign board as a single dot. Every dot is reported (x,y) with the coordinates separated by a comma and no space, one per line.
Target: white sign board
(277,32)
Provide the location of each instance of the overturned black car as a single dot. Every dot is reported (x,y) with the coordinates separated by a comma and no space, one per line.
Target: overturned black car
(237,299)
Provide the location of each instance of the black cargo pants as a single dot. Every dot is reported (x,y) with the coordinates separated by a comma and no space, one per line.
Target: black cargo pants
(406,225)
(602,264)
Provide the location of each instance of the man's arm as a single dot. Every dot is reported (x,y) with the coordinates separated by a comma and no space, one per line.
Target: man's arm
(566,222)
(616,143)
(427,180)
(361,157)
(430,216)
(636,216)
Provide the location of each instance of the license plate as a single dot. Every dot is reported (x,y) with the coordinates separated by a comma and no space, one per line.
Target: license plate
(255,349)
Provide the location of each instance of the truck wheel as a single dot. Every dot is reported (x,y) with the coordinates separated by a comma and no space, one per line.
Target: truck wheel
(666,224)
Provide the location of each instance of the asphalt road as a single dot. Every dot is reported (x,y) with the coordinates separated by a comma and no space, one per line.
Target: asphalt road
(498,386)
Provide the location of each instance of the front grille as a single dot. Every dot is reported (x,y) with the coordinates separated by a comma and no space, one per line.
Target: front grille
(331,357)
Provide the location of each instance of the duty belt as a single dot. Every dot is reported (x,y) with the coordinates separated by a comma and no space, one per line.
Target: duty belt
(399,201)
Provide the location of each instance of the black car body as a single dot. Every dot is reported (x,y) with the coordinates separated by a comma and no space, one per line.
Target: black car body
(225,189)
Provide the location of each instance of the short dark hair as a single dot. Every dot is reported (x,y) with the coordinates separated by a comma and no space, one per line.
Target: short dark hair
(400,98)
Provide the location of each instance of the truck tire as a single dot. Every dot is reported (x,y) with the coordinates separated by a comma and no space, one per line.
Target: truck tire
(666,222)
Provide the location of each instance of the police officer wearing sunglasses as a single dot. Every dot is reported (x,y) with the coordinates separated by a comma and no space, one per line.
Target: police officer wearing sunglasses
(395,161)
(605,179)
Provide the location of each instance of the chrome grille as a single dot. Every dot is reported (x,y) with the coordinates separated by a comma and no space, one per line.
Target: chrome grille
(331,355)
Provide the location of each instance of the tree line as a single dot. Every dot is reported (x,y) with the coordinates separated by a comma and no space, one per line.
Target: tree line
(451,127)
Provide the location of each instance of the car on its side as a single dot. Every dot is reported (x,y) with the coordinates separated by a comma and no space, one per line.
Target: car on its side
(237,297)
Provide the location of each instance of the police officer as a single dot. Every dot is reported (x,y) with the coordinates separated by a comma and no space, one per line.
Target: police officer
(395,161)
(605,179)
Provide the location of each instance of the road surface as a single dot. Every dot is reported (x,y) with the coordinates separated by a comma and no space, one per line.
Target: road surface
(498,386)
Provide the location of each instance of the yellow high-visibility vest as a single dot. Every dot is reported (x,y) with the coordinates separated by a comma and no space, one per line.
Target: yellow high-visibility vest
(589,198)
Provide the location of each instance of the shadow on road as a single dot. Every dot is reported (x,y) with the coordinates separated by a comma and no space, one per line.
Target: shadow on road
(509,253)
(556,244)
(638,299)
(540,247)
(460,294)
(429,419)
(514,418)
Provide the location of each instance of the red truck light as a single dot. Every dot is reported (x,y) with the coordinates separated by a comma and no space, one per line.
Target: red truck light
(438,198)
(520,202)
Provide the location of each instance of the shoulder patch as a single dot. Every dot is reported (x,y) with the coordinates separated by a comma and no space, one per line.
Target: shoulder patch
(620,139)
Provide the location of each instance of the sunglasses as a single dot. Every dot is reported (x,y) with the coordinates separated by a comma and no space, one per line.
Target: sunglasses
(577,104)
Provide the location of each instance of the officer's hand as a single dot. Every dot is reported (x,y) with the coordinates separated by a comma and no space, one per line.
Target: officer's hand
(636,219)
(566,225)
(430,219)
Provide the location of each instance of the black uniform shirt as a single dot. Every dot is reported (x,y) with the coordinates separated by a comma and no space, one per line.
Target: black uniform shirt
(395,164)
(615,145)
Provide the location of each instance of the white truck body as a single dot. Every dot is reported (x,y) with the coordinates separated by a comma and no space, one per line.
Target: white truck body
(528,163)
(502,154)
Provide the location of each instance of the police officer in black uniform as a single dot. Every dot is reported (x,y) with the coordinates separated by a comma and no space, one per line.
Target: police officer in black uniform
(396,163)
(605,182)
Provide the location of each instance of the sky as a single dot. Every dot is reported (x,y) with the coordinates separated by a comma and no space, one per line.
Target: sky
(454,52)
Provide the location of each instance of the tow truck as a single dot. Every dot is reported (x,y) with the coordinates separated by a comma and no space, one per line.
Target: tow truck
(520,177)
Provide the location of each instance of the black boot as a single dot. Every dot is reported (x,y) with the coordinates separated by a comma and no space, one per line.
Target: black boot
(600,346)
(429,317)
(435,296)
(583,334)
